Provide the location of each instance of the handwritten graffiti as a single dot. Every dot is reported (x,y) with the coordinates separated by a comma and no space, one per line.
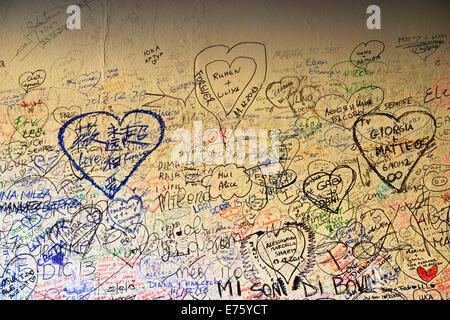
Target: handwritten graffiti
(166,152)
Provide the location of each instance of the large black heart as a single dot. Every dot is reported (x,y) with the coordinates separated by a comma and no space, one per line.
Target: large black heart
(391,145)
(124,147)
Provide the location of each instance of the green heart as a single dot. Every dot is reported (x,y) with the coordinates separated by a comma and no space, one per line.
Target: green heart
(325,222)
(308,125)
(24,123)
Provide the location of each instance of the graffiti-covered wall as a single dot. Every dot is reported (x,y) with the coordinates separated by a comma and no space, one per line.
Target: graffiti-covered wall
(224,150)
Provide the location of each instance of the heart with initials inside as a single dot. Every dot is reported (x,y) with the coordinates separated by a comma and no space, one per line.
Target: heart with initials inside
(125,144)
(28,119)
(308,125)
(392,145)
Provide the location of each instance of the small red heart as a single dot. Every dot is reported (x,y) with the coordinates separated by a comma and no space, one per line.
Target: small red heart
(427,275)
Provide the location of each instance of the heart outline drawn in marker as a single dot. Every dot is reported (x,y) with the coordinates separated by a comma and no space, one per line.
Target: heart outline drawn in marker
(33,118)
(24,273)
(378,51)
(41,75)
(287,146)
(313,127)
(341,139)
(333,181)
(68,111)
(291,84)
(133,220)
(394,184)
(245,83)
(47,163)
(145,154)
(145,188)
(88,86)
(79,231)
(427,294)
(134,243)
(205,94)
(283,261)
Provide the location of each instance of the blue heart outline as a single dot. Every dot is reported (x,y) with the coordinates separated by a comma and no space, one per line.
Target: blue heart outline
(47,164)
(87,75)
(123,201)
(120,121)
